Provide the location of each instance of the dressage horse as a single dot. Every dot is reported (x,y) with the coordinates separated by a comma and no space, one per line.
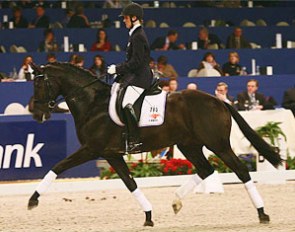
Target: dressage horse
(193,119)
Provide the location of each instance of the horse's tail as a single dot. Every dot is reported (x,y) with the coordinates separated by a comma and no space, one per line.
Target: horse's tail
(260,145)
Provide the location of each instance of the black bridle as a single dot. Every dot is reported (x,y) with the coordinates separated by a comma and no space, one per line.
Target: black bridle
(50,100)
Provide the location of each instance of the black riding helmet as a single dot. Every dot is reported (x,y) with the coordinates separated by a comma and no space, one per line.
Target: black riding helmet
(133,9)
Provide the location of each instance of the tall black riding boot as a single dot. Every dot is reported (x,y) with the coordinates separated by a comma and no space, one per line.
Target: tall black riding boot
(132,128)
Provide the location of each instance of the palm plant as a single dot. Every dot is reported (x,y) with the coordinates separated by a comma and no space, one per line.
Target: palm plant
(272,131)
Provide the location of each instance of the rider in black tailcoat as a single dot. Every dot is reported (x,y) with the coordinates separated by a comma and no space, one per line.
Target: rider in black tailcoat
(135,73)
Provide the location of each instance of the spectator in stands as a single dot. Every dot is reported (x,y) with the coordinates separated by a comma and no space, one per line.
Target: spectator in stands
(236,40)
(165,69)
(19,21)
(5,78)
(289,99)
(152,63)
(49,43)
(102,43)
(115,3)
(207,40)
(68,14)
(51,58)
(251,99)
(173,85)
(209,62)
(164,85)
(26,72)
(221,92)
(72,59)
(41,20)
(232,67)
(79,19)
(98,67)
(192,86)
(79,61)
(167,42)
(25,4)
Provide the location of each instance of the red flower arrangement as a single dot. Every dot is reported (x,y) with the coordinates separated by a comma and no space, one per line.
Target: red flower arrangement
(176,167)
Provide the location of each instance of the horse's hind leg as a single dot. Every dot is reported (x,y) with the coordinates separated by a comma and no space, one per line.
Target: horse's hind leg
(234,163)
(195,155)
(79,157)
(120,166)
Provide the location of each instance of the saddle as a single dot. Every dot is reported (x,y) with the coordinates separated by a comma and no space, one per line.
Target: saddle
(149,107)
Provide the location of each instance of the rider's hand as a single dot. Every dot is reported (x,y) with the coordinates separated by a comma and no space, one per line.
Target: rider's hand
(112,69)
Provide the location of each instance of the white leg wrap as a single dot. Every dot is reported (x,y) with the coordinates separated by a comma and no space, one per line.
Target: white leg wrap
(144,203)
(45,183)
(188,186)
(254,194)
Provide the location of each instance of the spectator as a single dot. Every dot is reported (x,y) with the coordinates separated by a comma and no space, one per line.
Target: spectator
(207,40)
(167,43)
(68,14)
(152,63)
(115,3)
(192,86)
(79,19)
(232,67)
(289,100)
(79,61)
(26,72)
(51,58)
(165,69)
(72,59)
(24,4)
(99,68)
(236,40)
(209,62)
(19,21)
(251,99)
(41,20)
(49,43)
(173,85)
(164,85)
(221,92)
(5,78)
(102,43)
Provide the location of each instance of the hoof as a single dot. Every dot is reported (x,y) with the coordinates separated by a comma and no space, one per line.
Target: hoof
(264,218)
(32,204)
(148,223)
(176,205)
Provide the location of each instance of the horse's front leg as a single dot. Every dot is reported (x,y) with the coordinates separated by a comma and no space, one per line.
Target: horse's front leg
(79,157)
(120,166)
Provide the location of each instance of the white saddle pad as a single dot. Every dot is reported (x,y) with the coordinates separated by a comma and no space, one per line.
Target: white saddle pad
(152,110)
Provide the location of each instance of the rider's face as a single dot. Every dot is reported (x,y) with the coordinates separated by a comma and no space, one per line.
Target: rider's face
(127,21)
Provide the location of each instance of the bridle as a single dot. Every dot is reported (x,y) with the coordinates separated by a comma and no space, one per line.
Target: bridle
(50,100)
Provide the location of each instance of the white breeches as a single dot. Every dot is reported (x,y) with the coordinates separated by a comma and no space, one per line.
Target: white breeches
(131,95)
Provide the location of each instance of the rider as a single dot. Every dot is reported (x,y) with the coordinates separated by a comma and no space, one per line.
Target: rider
(135,73)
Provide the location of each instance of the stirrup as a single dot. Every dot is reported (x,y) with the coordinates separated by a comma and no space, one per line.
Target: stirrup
(133,147)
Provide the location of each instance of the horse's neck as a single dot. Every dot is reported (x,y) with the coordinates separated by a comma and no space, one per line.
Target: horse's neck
(82,100)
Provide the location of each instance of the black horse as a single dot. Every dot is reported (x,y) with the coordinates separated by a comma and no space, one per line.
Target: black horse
(193,119)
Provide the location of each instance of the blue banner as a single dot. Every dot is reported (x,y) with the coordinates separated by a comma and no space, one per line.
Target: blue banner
(28,150)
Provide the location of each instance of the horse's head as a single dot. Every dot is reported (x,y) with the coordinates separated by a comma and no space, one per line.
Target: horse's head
(44,96)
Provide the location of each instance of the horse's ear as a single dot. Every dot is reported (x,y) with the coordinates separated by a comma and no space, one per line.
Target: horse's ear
(37,70)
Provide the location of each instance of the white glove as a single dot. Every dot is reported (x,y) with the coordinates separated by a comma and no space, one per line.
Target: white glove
(111,69)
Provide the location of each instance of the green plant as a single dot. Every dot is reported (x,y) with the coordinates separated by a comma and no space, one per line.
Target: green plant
(218,164)
(290,163)
(272,131)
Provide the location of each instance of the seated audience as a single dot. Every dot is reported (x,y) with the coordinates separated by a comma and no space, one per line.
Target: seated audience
(251,99)
(289,99)
(5,78)
(236,40)
(98,67)
(167,42)
(164,85)
(72,59)
(26,71)
(207,40)
(173,85)
(232,67)
(79,61)
(165,69)
(79,19)
(221,92)
(51,58)
(41,20)
(19,21)
(209,62)
(49,43)
(192,86)
(102,43)
(67,17)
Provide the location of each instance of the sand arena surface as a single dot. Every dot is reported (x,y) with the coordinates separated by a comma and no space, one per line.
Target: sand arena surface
(117,210)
